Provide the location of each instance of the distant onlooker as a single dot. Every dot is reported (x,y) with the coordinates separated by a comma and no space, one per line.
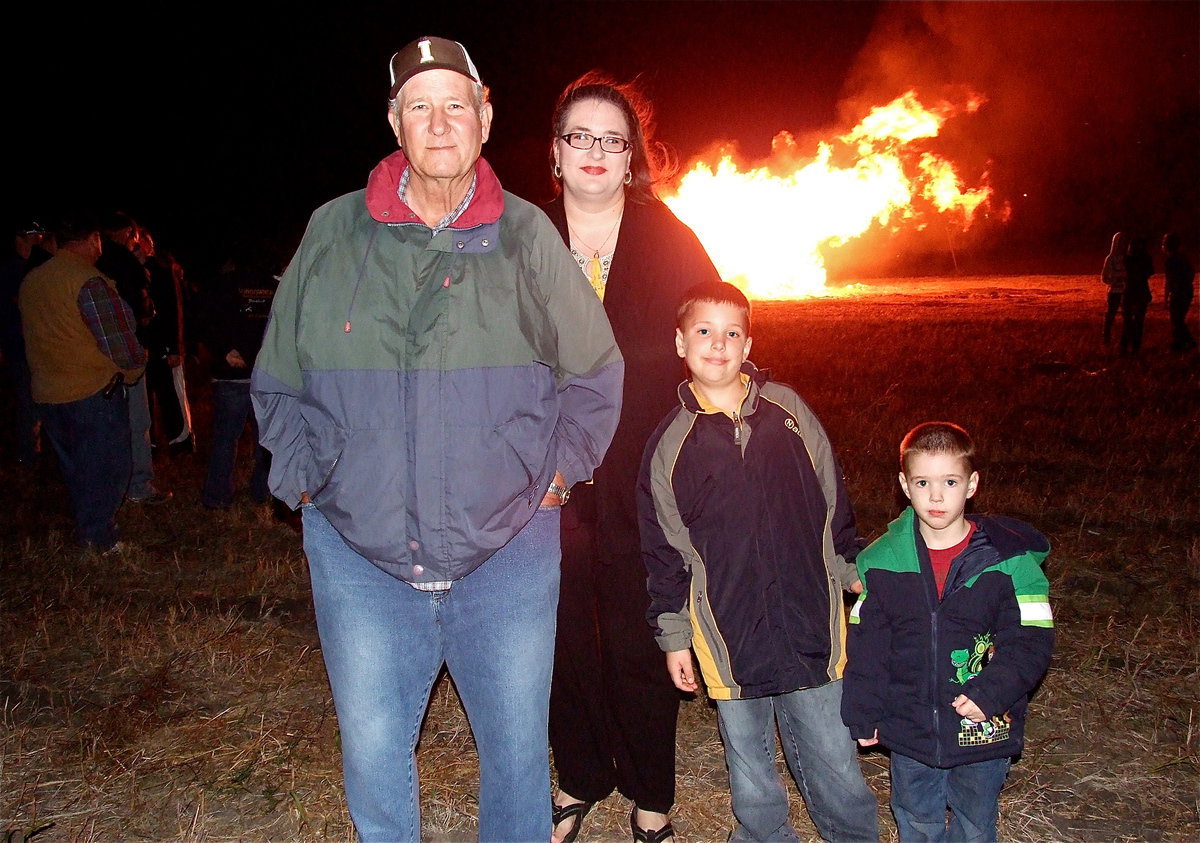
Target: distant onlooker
(26,425)
(82,349)
(1113,275)
(133,283)
(231,321)
(165,382)
(1180,281)
(1139,266)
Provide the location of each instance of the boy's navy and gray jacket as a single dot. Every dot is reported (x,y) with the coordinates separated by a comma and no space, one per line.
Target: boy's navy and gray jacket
(422,386)
(748,538)
(990,637)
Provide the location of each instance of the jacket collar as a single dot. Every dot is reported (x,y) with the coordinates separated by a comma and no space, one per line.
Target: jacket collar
(757,378)
(384,203)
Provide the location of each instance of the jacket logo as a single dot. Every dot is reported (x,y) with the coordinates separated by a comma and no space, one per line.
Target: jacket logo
(968,663)
(791,425)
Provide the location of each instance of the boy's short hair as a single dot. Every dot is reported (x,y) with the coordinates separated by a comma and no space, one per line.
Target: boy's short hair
(938,437)
(716,292)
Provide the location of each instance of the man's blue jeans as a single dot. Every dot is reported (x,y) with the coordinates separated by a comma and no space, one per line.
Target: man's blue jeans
(921,795)
(384,643)
(90,437)
(232,410)
(820,753)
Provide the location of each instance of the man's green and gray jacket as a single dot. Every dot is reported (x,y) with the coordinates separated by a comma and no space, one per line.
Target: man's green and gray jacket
(423,386)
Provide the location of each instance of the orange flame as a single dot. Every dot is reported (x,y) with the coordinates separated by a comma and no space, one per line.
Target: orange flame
(765,227)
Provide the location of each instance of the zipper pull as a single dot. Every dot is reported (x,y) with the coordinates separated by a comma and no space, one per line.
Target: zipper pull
(737,429)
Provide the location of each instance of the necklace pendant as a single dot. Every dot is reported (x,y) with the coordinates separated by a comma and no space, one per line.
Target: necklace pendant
(595,271)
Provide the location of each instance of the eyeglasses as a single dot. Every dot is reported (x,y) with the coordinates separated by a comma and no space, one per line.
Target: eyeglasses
(582,140)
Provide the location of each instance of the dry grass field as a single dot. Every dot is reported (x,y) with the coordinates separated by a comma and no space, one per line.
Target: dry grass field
(176,692)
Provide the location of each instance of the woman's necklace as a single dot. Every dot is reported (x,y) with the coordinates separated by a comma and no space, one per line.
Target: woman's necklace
(595,270)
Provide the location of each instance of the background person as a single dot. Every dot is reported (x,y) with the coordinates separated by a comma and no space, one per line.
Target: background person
(26,425)
(612,711)
(1139,266)
(1113,276)
(117,261)
(81,344)
(165,382)
(749,538)
(435,377)
(950,635)
(233,317)
(1180,288)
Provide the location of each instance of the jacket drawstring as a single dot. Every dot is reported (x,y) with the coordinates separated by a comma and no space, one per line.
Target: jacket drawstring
(362,269)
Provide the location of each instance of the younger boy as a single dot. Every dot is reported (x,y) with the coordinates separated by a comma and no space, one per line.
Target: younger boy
(748,537)
(950,634)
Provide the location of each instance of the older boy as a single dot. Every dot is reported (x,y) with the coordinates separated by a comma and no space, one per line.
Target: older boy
(747,535)
(949,636)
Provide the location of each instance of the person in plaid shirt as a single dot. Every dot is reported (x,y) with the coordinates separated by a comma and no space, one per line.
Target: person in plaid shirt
(79,337)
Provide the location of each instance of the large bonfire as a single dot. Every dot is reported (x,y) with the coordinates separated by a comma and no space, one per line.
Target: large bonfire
(765,226)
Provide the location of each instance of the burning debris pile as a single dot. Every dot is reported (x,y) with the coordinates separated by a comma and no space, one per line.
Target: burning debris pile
(765,227)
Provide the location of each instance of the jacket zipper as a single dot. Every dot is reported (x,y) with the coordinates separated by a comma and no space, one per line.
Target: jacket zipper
(937,729)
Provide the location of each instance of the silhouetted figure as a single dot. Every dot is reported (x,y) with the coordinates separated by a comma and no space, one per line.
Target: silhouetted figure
(1180,279)
(1113,275)
(165,382)
(133,284)
(231,322)
(1139,266)
(26,424)
(82,349)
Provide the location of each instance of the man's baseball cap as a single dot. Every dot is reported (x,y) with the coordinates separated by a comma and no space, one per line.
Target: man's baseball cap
(430,53)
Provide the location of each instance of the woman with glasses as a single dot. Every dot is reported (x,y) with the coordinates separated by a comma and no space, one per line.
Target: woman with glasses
(612,705)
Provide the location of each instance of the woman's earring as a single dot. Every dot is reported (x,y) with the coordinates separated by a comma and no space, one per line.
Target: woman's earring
(628,177)
(557,171)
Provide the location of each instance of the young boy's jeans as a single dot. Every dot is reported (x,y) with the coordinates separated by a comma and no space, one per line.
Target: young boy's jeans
(820,753)
(921,794)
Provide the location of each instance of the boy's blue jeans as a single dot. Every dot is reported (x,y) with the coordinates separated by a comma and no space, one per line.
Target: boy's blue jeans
(820,753)
(921,794)
(384,643)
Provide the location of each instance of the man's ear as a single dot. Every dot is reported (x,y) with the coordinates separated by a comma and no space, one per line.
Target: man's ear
(485,119)
(394,121)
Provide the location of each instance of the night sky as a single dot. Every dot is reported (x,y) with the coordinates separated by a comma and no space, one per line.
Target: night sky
(210,123)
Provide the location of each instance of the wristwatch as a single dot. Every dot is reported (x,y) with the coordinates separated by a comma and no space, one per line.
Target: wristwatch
(564,494)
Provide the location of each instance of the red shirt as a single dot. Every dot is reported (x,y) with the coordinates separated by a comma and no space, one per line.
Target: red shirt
(942,559)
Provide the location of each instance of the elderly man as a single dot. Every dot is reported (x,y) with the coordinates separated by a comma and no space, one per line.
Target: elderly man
(436,374)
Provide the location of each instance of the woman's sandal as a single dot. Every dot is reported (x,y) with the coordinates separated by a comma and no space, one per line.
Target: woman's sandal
(641,835)
(562,813)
